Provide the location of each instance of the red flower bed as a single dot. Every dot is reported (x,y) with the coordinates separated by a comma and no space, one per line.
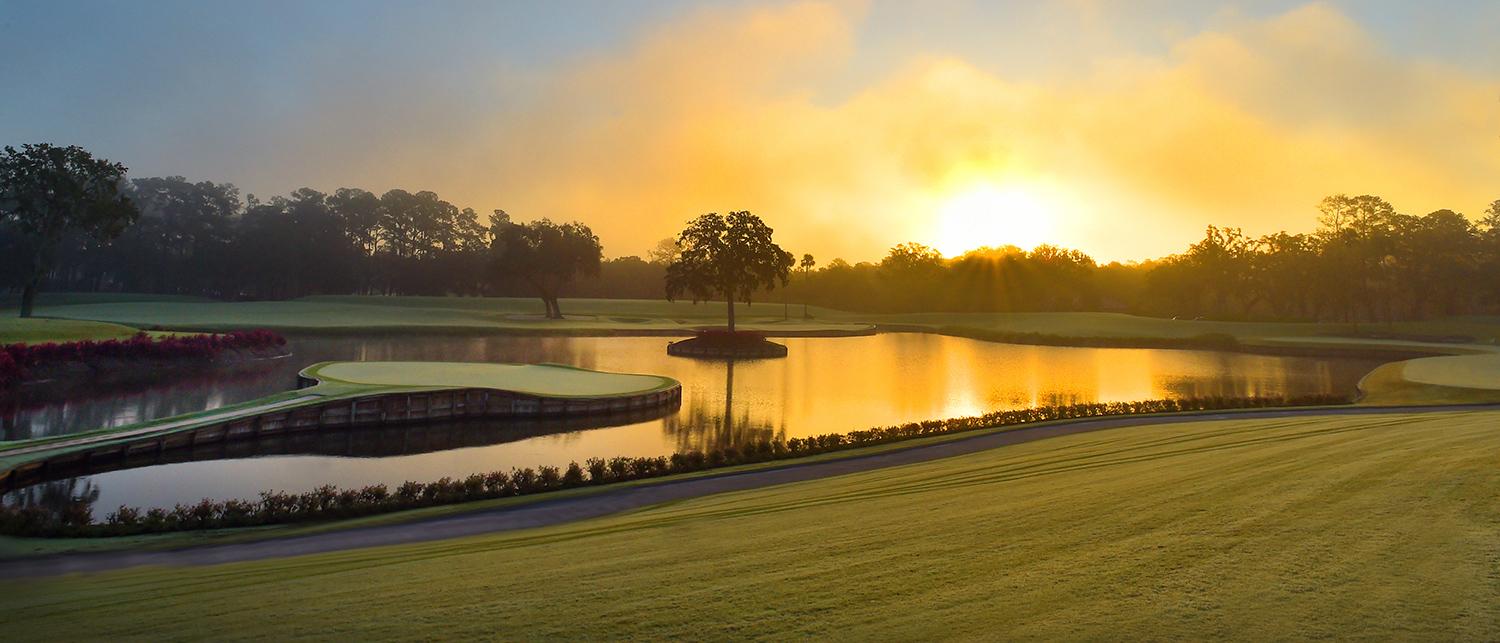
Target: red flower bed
(15,359)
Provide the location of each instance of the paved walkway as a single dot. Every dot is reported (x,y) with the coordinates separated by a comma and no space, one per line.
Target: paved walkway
(553,512)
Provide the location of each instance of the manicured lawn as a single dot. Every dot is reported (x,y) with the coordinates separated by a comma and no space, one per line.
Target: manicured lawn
(1348,527)
(435,314)
(1456,379)
(1463,371)
(36,330)
(538,379)
(489,314)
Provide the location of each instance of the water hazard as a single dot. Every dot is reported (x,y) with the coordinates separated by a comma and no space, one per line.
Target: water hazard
(824,385)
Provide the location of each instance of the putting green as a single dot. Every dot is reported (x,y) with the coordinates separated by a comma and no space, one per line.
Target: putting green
(537,379)
(1461,371)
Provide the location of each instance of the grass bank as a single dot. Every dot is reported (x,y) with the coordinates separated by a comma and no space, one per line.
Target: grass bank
(365,314)
(1354,527)
(465,315)
(36,330)
(1453,379)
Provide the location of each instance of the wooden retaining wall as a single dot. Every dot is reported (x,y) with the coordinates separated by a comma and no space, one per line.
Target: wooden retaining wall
(372,410)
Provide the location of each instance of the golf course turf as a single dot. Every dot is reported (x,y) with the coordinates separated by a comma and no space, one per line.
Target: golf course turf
(1302,527)
(36,330)
(1315,526)
(534,379)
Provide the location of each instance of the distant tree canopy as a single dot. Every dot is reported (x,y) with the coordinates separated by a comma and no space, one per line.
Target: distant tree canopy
(545,255)
(732,256)
(1364,261)
(48,193)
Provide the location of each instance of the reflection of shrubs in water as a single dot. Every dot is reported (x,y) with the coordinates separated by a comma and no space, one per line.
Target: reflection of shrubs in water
(59,504)
(330,502)
(16,359)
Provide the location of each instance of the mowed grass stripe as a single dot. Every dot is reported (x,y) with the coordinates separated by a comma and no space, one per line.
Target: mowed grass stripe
(1343,527)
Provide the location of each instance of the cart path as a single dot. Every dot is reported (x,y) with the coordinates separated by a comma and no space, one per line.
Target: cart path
(553,512)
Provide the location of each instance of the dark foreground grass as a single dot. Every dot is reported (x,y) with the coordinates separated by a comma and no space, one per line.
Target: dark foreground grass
(1340,527)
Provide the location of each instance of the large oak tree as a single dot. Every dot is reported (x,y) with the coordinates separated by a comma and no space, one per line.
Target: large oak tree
(731,256)
(544,254)
(49,192)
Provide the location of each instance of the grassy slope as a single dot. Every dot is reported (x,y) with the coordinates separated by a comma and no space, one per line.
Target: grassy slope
(431,314)
(354,313)
(1455,379)
(37,330)
(1314,527)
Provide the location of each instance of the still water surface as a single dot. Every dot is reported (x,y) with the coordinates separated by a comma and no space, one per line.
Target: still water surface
(824,385)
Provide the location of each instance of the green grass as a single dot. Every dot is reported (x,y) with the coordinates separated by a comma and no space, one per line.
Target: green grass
(538,379)
(36,330)
(438,314)
(11,302)
(490,314)
(1454,379)
(1461,371)
(1349,527)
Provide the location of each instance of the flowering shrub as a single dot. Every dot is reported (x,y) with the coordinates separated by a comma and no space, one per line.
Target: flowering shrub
(15,359)
(329,502)
(10,371)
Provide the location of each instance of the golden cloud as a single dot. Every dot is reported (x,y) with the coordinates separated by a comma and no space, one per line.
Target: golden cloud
(1249,125)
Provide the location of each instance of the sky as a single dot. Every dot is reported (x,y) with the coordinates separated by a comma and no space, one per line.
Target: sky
(1117,128)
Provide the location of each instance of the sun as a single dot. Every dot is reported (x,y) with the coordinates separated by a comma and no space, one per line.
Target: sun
(990,215)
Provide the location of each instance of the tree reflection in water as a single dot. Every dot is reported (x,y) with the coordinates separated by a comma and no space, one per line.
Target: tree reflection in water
(57,498)
(705,427)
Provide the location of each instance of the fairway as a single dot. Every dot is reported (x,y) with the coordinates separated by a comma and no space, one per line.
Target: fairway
(37,330)
(468,315)
(1342,527)
(484,315)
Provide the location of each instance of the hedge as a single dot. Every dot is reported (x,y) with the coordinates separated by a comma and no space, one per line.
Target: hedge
(329,502)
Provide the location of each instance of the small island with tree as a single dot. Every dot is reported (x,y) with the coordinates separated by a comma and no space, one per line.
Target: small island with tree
(732,257)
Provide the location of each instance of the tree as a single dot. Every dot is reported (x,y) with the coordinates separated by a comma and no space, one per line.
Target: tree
(732,256)
(664,253)
(805,267)
(48,192)
(359,213)
(544,254)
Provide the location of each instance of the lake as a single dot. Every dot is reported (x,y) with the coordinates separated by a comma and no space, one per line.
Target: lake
(824,385)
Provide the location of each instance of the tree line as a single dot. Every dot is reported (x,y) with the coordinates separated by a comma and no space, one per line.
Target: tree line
(1364,262)
(102,232)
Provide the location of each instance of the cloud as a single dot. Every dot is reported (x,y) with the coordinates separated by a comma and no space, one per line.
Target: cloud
(1249,124)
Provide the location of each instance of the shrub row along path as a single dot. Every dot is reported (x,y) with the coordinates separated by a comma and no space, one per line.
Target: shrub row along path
(551,512)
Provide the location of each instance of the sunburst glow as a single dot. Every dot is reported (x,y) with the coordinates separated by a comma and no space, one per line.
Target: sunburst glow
(990,215)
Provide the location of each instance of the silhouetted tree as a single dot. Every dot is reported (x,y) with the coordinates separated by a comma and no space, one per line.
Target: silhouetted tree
(732,256)
(545,255)
(48,192)
(806,266)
